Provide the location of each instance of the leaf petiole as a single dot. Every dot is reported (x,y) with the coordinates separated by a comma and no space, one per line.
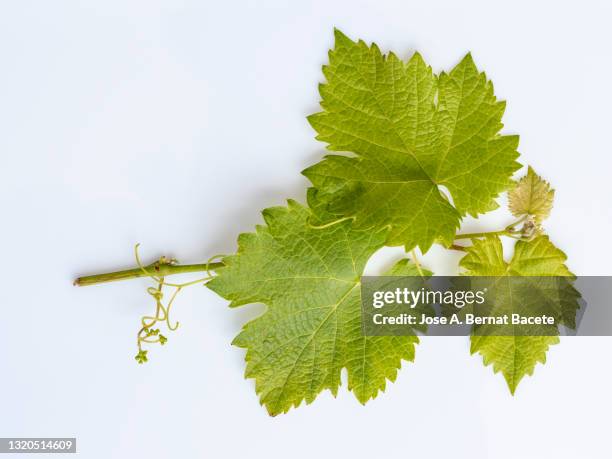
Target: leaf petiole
(509,231)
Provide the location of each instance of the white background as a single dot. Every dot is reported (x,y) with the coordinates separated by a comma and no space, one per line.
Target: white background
(173,124)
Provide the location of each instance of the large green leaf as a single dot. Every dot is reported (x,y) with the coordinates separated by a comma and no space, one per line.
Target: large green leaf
(517,356)
(309,278)
(412,132)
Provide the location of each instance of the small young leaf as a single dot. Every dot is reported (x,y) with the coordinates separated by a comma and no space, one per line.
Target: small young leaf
(531,196)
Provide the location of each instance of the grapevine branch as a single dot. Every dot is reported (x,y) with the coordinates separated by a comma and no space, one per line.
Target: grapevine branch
(164,266)
(167,267)
(159,268)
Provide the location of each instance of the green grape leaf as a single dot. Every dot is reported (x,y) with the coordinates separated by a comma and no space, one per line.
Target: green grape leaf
(532,196)
(309,278)
(517,356)
(411,133)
